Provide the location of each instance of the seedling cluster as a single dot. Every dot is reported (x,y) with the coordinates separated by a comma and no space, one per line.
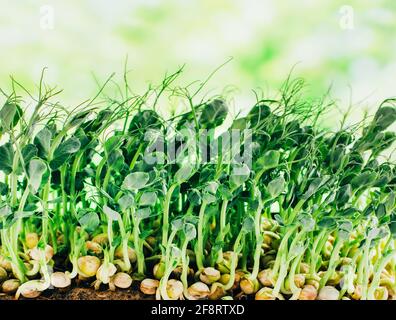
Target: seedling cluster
(311,217)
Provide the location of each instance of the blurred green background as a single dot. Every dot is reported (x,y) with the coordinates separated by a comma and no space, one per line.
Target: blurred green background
(348,45)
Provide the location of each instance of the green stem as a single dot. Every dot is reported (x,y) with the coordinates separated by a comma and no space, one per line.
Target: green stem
(165,226)
(199,248)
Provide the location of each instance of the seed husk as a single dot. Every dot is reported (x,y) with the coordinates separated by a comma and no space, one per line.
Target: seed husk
(101,239)
(60,280)
(225,278)
(335,279)
(225,265)
(266,278)
(267,224)
(32,268)
(313,282)
(299,280)
(31,289)
(177,272)
(5,264)
(216,291)
(31,240)
(131,254)
(151,241)
(249,286)
(94,247)
(209,275)
(159,270)
(381,293)
(10,286)
(149,286)
(122,280)
(174,289)
(264,294)
(88,266)
(328,293)
(35,253)
(3,274)
(199,290)
(357,294)
(308,292)
(105,272)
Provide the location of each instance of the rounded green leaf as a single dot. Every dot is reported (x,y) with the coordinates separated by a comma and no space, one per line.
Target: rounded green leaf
(189,231)
(89,220)
(111,214)
(126,202)
(148,199)
(36,169)
(276,187)
(184,172)
(136,180)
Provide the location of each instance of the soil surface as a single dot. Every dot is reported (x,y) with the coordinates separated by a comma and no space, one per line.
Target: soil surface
(79,293)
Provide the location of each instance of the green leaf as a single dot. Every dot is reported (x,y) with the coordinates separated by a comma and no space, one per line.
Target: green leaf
(112,143)
(344,229)
(10,115)
(276,187)
(314,186)
(177,224)
(183,173)
(29,152)
(148,199)
(89,220)
(225,192)
(349,212)
(3,189)
(211,187)
(36,169)
(248,224)
(78,118)
(384,117)
(338,158)
(209,198)
(365,179)
(111,214)
(344,194)
(43,140)
(143,213)
(380,212)
(194,197)
(64,151)
(5,211)
(116,159)
(307,222)
(126,202)
(279,219)
(373,233)
(269,160)
(214,114)
(327,223)
(209,194)
(189,231)
(6,158)
(392,226)
(239,175)
(390,202)
(136,180)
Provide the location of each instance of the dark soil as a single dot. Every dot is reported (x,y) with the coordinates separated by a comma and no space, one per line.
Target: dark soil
(79,293)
